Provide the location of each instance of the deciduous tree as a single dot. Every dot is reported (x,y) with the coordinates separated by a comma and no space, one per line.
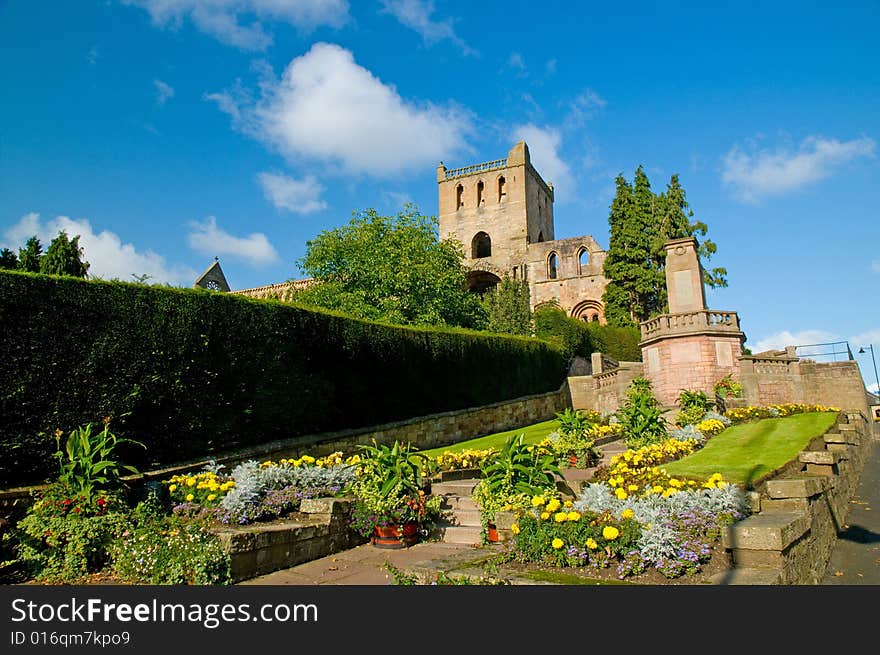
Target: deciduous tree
(390,268)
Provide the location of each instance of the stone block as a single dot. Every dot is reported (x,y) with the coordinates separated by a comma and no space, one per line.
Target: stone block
(758,559)
(821,457)
(805,487)
(785,505)
(841,448)
(766,531)
(325,506)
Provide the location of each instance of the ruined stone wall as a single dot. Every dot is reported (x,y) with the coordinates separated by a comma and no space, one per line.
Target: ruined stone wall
(577,288)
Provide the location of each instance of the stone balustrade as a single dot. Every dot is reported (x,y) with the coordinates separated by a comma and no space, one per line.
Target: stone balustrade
(476,168)
(704,319)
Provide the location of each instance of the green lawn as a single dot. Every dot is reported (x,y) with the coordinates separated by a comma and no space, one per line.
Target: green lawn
(745,452)
(534,434)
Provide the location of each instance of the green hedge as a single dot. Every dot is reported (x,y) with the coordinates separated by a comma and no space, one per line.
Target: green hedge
(191,372)
(579,338)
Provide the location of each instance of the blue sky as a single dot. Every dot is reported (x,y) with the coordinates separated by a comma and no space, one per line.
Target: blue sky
(166,132)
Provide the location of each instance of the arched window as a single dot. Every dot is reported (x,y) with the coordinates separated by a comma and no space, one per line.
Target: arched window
(583,260)
(481,246)
(501,190)
(551,266)
(480,187)
(459,197)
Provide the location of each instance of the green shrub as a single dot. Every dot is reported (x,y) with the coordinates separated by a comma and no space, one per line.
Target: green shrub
(694,404)
(641,416)
(166,550)
(578,338)
(190,372)
(63,538)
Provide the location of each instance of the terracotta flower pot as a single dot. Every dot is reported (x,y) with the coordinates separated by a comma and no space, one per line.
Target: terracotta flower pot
(396,536)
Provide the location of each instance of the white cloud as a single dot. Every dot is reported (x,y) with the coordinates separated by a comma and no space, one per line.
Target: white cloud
(759,173)
(208,239)
(544,143)
(164,92)
(238,22)
(875,265)
(780,340)
(416,15)
(93,55)
(298,196)
(327,108)
(515,60)
(107,255)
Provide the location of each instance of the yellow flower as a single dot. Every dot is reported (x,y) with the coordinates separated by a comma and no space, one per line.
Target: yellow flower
(574,516)
(633,487)
(537,501)
(591,544)
(567,503)
(545,515)
(212,497)
(553,505)
(173,487)
(514,528)
(557,543)
(657,489)
(190,482)
(189,497)
(621,494)
(560,517)
(627,514)
(610,532)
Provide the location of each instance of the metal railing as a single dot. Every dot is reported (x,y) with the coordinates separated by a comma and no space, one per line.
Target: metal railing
(832,351)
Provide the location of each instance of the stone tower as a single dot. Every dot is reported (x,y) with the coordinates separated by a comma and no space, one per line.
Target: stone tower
(495,209)
(502,213)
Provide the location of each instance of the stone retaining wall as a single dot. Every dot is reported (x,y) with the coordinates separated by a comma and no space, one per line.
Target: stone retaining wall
(259,549)
(797,516)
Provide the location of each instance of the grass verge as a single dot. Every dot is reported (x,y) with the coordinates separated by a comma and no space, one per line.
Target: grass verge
(533,434)
(743,453)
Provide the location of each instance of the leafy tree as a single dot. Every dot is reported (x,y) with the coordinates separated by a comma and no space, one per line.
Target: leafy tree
(507,307)
(8,259)
(641,222)
(64,257)
(29,257)
(390,268)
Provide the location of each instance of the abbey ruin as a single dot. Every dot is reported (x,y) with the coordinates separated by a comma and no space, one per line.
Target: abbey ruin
(502,213)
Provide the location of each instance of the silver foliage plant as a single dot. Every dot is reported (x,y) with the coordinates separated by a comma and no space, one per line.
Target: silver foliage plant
(659,540)
(253,481)
(688,433)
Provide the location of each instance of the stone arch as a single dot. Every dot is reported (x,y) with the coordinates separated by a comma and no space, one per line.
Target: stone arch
(459,196)
(589,310)
(479,281)
(481,246)
(502,191)
(481,193)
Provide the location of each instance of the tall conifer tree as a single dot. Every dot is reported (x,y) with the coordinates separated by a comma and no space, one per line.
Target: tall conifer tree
(641,222)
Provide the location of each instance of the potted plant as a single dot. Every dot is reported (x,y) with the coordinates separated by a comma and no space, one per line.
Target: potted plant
(392,501)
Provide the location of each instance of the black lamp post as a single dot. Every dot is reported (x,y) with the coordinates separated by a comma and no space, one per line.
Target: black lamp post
(873,361)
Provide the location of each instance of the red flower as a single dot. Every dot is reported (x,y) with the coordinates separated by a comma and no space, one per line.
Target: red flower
(76,509)
(102,502)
